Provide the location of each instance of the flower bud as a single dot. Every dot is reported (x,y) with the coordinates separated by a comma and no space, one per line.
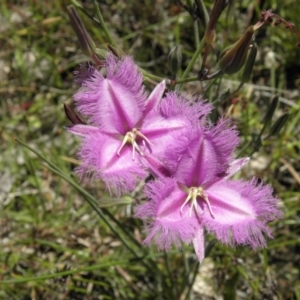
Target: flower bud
(249,64)
(174,60)
(86,43)
(72,115)
(210,34)
(233,59)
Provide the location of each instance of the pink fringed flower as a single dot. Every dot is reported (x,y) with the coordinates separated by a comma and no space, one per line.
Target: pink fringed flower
(201,195)
(129,132)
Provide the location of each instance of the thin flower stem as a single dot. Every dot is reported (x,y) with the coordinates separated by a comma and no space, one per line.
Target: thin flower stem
(243,149)
(151,76)
(210,85)
(186,273)
(167,261)
(41,199)
(192,61)
(101,20)
(121,226)
(197,40)
(189,79)
(79,270)
(218,88)
(156,79)
(39,155)
(273,65)
(253,142)
(66,273)
(193,280)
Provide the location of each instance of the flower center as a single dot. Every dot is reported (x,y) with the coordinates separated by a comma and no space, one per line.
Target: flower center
(130,138)
(193,193)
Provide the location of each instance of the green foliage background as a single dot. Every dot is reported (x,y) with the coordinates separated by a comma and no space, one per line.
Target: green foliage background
(53,245)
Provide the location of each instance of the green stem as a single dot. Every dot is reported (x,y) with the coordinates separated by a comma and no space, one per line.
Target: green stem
(193,280)
(243,149)
(273,65)
(218,88)
(39,155)
(122,227)
(167,261)
(101,20)
(71,272)
(151,76)
(256,141)
(189,79)
(210,85)
(186,273)
(65,273)
(196,34)
(192,61)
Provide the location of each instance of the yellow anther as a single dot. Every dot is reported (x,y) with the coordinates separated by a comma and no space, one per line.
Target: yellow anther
(130,138)
(195,192)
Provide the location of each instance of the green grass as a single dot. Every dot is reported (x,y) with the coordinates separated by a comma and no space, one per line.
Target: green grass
(54,245)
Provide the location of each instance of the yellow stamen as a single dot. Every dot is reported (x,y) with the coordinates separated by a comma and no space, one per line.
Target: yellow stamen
(130,137)
(194,192)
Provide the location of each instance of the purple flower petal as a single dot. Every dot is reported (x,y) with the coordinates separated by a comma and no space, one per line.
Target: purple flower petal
(155,97)
(155,166)
(100,160)
(114,103)
(241,210)
(199,244)
(169,226)
(200,164)
(224,138)
(195,109)
(205,155)
(171,125)
(164,133)
(236,166)
(200,196)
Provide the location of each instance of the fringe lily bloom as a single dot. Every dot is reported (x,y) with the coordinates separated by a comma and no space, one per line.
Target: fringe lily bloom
(201,196)
(128,133)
